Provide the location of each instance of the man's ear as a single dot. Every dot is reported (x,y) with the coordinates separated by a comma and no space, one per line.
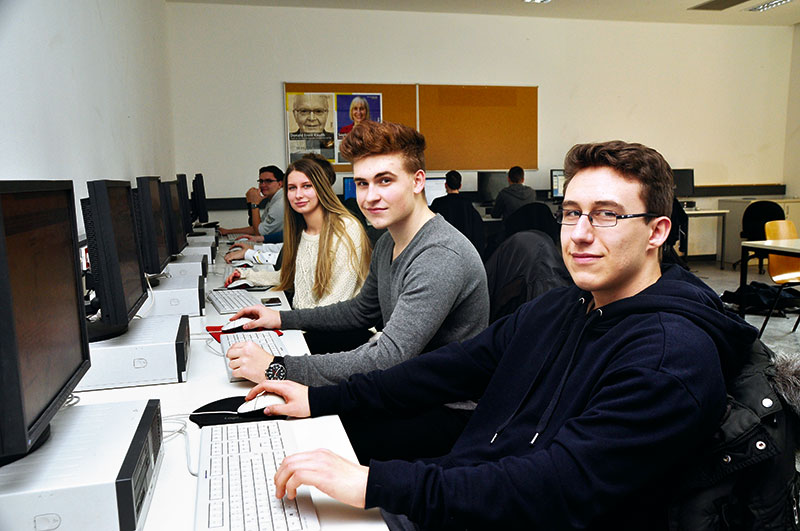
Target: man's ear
(419,181)
(659,228)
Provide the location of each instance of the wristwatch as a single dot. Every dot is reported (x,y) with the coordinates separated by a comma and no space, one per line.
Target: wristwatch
(253,205)
(276,369)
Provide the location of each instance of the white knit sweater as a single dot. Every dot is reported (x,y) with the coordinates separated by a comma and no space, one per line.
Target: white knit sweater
(344,281)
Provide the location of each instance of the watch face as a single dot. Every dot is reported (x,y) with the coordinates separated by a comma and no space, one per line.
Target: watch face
(276,371)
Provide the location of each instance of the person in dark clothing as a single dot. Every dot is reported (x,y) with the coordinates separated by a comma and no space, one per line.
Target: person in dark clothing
(459,212)
(590,395)
(514,195)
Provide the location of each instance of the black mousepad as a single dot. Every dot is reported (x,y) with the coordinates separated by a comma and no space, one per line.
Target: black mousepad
(205,416)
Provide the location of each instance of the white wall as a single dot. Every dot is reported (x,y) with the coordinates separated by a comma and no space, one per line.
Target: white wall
(709,97)
(85,91)
(792,154)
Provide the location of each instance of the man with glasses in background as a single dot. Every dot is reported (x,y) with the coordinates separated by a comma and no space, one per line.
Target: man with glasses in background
(590,397)
(265,205)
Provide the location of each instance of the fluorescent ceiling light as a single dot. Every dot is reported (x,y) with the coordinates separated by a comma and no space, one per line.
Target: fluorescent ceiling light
(769,5)
(537,1)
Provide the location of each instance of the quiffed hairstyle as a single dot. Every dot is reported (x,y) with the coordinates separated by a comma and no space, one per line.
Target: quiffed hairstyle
(452,179)
(633,161)
(384,138)
(333,225)
(274,170)
(516,175)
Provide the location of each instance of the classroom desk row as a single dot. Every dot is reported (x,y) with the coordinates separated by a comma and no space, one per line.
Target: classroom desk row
(173,502)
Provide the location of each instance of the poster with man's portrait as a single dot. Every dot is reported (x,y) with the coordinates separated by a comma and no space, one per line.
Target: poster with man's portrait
(310,120)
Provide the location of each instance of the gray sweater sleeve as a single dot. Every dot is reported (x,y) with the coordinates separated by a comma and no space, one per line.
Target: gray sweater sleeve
(431,284)
(272,220)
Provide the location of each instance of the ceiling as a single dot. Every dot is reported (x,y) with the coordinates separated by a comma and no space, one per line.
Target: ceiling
(630,10)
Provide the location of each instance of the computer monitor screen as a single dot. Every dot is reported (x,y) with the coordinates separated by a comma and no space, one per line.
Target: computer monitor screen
(349,187)
(489,185)
(434,187)
(150,222)
(171,203)
(117,272)
(43,347)
(684,182)
(199,198)
(186,205)
(557,184)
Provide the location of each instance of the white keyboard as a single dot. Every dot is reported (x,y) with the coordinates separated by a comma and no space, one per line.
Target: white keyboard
(235,487)
(231,301)
(269,341)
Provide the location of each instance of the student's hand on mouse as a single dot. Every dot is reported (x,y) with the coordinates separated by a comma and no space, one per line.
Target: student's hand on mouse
(240,245)
(233,276)
(253,195)
(332,474)
(262,317)
(257,239)
(295,395)
(235,254)
(248,360)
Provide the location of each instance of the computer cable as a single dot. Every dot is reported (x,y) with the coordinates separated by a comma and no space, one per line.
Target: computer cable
(151,300)
(180,421)
(213,347)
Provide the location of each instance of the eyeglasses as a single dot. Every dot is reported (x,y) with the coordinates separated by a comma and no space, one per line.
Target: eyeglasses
(267,181)
(306,112)
(597,218)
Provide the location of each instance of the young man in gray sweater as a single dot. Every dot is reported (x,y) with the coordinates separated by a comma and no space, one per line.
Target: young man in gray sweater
(426,288)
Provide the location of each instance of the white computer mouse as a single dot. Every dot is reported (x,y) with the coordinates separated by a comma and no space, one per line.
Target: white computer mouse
(242,283)
(231,327)
(257,405)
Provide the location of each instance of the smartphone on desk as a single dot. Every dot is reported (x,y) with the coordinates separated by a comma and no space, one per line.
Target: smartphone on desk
(271,301)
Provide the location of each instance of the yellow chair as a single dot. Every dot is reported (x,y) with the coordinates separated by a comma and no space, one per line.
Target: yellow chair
(784,270)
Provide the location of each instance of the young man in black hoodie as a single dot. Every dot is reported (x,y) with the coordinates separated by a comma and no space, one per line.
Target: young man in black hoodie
(590,396)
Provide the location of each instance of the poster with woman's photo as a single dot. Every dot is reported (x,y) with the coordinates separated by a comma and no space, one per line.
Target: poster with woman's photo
(310,124)
(352,109)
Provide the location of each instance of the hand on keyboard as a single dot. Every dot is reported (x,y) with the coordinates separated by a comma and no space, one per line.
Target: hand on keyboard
(262,317)
(295,395)
(335,476)
(248,360)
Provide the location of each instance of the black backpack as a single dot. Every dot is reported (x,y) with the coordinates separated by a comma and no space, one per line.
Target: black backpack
(744,478)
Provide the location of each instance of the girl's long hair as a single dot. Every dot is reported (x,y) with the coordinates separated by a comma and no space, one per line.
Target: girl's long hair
(333,230)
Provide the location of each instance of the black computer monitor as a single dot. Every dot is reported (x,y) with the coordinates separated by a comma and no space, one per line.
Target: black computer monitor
(199,199)
(489,185)
(171,205)
(684,182)
(186,205)
(557,184)
(115,262)
(150,224)
(43,348)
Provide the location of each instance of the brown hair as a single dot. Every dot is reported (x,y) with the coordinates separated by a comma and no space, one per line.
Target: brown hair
(333,228)
(633,161)
(383,138)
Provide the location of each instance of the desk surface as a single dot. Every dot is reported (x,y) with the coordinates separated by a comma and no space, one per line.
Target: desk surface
(788,246)
(701,213)
(173,501)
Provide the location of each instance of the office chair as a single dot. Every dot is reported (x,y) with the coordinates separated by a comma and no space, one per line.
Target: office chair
(753,219)
(523,267)
(783,270)
(533,216)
